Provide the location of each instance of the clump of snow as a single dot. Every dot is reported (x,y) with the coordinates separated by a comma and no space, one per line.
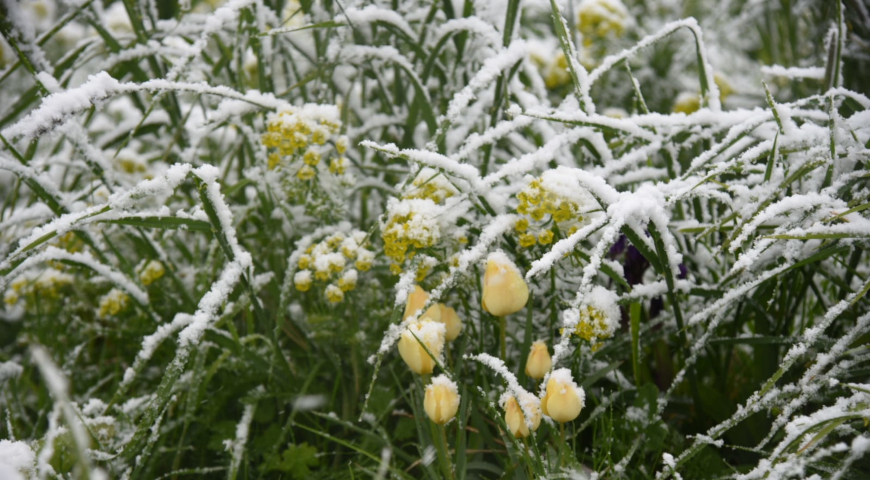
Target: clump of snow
(17,460)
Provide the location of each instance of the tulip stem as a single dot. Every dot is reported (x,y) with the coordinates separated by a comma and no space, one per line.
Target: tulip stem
(502,327)
(562,445)
(445,457)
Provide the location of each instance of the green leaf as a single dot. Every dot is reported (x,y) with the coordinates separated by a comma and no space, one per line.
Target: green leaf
(163,222)
(297,460)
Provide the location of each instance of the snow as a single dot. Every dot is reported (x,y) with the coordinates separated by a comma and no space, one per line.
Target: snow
(236,447)
(490,70)
(17,460)
(635,181)
(10,371)
(373,13)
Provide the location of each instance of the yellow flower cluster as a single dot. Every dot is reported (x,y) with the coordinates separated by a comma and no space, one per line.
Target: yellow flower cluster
(598,18)
(538,206)
(412,221)
(113,303)
(42,285)
(431,184)
(409,229)
(556,72)
(335,261)
(593,324)
(400,235)
(598,316)
(303,134)
(151,272)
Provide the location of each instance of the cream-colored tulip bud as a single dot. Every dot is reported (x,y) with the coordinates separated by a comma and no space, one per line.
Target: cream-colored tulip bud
(431,334)
(442,400)
(451,322)
(539,362)
(516,419)
(504,289)
(564,399)
(416,300)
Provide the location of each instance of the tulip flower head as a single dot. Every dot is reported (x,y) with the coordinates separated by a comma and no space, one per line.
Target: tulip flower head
(442,400)
(431,334)
(416,300)
(514,417)
(563,399)
(504,289)
(451,322)
(538,362)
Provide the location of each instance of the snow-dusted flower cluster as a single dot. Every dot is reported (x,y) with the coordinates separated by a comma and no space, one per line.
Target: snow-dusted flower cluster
(36,285)
(549,208)
(334,262)
(578,216)
(309,133)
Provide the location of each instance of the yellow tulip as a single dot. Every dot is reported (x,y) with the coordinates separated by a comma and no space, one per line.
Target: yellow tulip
(516,420)
(451,322)
(431,334)
(504,290)
(442,400)
(539,362)
(416,300)
(564,399)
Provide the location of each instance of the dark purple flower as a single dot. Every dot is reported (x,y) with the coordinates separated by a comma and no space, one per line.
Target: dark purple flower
(684,272)
(656,305)
(634,266)
(618,247)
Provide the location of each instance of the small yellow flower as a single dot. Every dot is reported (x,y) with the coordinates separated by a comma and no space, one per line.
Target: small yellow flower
(319,135)
(545,237)
(306,173)
(334,294)
(725,89)
(274,160)
(348,281)
(10,297)
(556,73)
(504,289)
(522,225)
(337,166)
(527,240)
(113,303)
(304,262)
(597,18)
(302,280)
(564,399)
(341,145)
(538,363)
(687,102)
(442,400)
(311,157)
(564,213)
(422,272)
(152,272)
